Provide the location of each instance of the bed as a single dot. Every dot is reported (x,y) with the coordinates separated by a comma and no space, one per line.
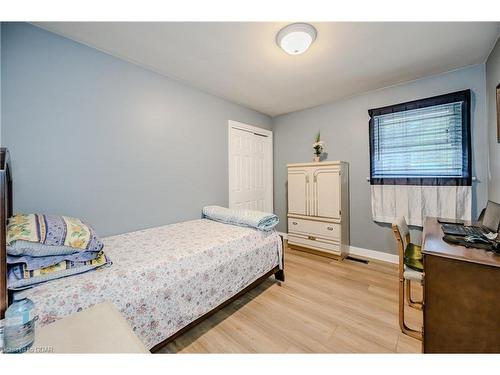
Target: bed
(164,280)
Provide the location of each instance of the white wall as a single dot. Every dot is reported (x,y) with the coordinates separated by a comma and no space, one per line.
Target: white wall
(492,80)
(344,128)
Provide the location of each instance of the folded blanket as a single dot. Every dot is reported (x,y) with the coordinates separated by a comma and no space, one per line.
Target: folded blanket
(34,263)
(245,218)
(47,247)
(19,277)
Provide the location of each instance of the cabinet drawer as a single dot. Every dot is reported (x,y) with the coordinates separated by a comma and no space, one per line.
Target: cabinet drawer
(317,244)
(314,228)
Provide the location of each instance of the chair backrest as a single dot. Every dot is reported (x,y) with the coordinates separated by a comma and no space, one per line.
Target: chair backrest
(402,234)
(491,216)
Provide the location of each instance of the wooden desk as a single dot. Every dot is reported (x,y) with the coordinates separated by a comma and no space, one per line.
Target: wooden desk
(461,296)
(99,329)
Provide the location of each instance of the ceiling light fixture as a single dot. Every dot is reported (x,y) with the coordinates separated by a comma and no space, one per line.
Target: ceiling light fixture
(296,38)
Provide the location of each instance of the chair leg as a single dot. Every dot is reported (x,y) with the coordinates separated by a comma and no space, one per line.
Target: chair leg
(404,328)
(415,304)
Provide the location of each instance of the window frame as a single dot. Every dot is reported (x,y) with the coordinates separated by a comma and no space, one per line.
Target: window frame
(465,97)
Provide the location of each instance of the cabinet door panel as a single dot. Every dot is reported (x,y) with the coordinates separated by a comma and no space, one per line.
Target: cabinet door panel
(327,193)
(298,191)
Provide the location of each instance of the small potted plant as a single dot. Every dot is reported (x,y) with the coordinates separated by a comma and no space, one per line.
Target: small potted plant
(318,147)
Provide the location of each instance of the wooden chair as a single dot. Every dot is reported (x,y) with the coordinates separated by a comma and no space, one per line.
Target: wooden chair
(410,269)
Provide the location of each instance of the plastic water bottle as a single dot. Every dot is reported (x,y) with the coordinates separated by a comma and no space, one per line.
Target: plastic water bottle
(19,328)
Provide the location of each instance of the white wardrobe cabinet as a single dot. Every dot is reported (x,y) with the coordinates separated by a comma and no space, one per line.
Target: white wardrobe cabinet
(318,207)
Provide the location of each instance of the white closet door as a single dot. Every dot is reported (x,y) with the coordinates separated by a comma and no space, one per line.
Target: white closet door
(326,200)
(298,191)
(250,168)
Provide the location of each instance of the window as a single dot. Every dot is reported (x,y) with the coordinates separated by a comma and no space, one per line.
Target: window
(423,142)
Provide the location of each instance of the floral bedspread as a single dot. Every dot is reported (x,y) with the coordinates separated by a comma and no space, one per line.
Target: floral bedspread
(163,278)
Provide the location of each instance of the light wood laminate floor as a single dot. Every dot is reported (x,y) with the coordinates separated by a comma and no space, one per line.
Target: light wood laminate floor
(325,306)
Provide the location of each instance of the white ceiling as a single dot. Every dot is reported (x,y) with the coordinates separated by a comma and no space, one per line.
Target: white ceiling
(241,62)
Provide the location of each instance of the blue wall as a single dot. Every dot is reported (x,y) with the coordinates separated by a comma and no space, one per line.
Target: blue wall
(99,138)
(125,148)
(344,128)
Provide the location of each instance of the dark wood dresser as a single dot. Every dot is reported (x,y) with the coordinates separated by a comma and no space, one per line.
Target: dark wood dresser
(461,296)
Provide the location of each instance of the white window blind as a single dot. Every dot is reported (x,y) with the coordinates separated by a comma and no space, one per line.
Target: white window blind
(419,143)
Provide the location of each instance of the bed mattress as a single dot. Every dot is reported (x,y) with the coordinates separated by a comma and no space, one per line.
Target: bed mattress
(164,278)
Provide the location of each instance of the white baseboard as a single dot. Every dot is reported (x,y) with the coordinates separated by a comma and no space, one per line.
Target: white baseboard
(373,254)
(365,253)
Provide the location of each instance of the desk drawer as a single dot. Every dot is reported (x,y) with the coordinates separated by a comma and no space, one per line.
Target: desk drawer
(314,228)
(316,243)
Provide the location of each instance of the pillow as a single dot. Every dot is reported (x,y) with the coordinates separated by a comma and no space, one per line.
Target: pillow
(242,217)
(413,257)
(47,235)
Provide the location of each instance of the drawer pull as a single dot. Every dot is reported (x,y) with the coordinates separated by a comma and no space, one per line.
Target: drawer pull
(329,228)
(312,238)
(294,222)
